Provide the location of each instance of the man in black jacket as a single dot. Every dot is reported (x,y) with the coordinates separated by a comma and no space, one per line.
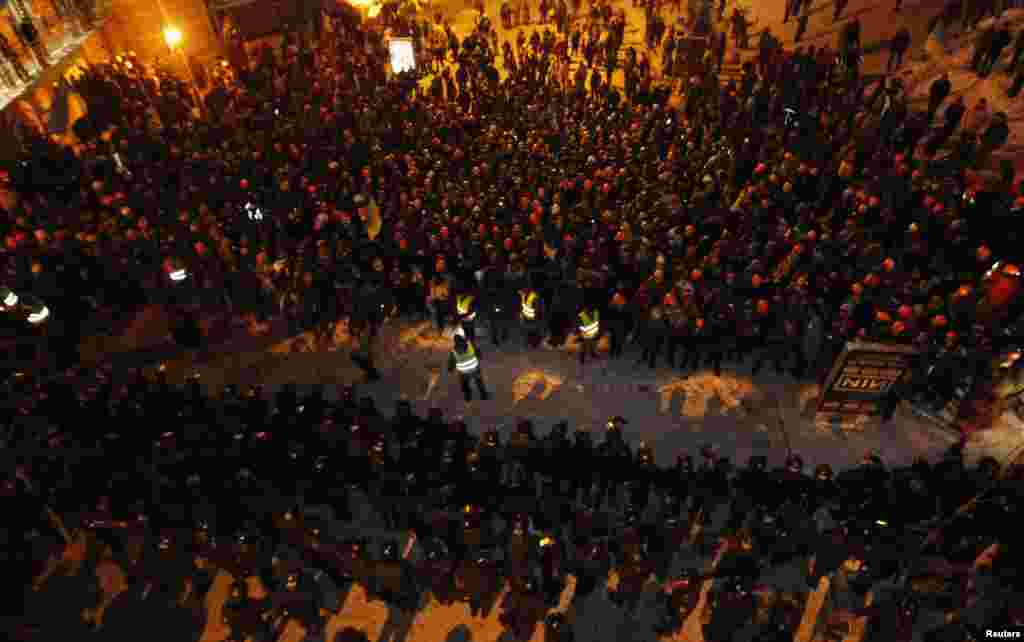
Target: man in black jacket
(30,35)
(1018,79)
(583,464)
(982,48)
(8,53)
(952,117)
(654,335)
(897,48)
(773,346)
(936,94)
(994,137)
(1000,39)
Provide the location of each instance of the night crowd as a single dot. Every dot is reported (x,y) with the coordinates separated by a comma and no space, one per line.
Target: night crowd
(273,490)
(704,219)
(777,215)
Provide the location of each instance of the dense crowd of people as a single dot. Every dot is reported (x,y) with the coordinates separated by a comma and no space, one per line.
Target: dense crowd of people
(697,216)
(267,489)
(778,215)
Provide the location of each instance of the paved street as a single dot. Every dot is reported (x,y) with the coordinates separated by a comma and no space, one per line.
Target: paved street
(674,412)
(594,619)
(879,22)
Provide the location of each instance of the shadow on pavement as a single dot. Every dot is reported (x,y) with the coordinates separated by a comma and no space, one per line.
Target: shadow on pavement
(460,633)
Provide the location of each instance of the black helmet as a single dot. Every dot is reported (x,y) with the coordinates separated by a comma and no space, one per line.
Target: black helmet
(436,550)
(908,604)
(165,541)
(320,464)
(724,466)
(632,515)
(989,467)
(555,621)
(684,462)
(202,528)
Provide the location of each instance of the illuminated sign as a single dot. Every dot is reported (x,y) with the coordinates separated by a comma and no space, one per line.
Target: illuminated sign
(863,376)
(858,384)
(403,57)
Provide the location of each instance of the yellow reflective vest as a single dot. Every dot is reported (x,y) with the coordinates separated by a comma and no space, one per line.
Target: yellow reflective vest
(464,306)
(529,300)
(590,324)
(466,362)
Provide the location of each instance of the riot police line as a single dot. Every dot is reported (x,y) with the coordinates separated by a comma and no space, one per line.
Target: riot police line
(487,513)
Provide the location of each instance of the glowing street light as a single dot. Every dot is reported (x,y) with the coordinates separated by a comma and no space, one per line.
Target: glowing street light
(370,7)
(173,37)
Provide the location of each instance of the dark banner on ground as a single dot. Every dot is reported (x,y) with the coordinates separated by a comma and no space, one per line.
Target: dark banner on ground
(863,376)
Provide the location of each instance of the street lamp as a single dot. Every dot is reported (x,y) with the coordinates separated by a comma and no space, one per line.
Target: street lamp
(173,38)
(172,35)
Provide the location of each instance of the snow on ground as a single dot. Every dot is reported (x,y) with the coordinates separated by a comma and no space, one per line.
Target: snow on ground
(952,53)
(673,411)
(1004,441)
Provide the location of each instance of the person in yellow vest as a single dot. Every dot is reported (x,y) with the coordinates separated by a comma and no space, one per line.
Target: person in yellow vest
(465,358)
(465,311)
(530,313)
(588,327)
